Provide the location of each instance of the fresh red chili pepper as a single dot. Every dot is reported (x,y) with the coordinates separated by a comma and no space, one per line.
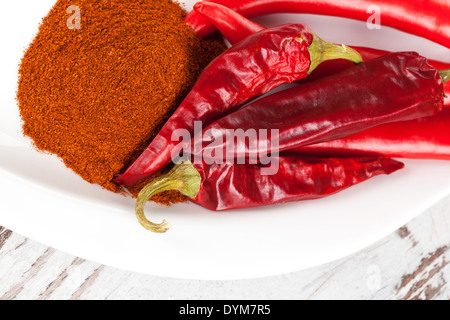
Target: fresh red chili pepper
(395,87)
(428,19)
(247,70)
(236,27)
(424,138)
(233,186)
(324,110)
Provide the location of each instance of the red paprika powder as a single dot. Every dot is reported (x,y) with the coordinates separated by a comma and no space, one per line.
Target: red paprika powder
(97,92)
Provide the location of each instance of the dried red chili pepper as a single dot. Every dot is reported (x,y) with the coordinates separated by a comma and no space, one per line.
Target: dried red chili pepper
(428,19)
(335,66)
(221,187)
(247,70)
(395,87)
(324,110)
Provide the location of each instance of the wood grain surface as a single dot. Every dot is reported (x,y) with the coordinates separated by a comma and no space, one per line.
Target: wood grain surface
(411,263)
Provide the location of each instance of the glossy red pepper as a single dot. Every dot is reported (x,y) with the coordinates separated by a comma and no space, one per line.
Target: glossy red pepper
(398,86)
(424,138)
(428,19)
(233,186)
(236,27)
(231,24)
(247,70)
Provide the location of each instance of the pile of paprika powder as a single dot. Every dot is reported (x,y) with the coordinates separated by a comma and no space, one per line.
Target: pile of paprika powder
(96,94)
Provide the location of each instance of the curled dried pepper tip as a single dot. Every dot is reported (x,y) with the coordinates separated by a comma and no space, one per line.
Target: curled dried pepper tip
(445,75)
(183,178)
(320,51)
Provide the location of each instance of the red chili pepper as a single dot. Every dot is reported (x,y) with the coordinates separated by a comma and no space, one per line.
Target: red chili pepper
(424,138)
(231,24)
(335,66)
(236,27)
(247,70)
(233,186)
(428,19)
(395,87)
(327,109)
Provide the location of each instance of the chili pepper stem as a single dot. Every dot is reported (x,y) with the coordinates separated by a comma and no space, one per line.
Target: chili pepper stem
(183,178)
(320,51)
(445,75)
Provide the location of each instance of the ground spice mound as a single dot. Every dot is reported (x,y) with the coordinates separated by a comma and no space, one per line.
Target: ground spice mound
(96,96)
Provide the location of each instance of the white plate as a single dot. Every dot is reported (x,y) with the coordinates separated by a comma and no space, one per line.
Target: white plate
(44,201)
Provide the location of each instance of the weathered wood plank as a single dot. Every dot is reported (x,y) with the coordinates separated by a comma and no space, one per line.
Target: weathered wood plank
(412,263)
(4,235)
(15,290)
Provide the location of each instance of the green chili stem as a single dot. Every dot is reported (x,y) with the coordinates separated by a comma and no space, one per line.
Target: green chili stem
(321,51)
(445,75)
(183,178)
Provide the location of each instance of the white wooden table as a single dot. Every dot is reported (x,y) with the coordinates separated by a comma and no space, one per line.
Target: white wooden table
(412,263)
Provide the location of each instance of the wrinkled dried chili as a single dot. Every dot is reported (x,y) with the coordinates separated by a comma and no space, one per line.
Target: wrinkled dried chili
(423,138)
(249,69)
(220,186)
(96,96)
